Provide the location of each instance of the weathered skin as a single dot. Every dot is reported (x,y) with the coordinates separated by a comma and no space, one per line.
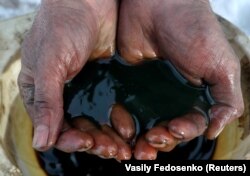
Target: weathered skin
(66,33)
(189,34)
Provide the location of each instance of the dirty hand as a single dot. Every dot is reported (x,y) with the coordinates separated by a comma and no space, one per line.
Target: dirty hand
(64,35)
(188,34)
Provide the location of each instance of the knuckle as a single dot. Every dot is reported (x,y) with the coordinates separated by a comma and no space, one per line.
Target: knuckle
(41,99)
(41,104)
(42,111)
(27,93)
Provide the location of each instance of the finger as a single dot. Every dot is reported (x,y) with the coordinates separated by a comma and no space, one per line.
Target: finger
(27,91)
(48,102)
(104,146)
(122,122)
(187,127)
(160,138)
(144,151)
(221,115)
(134,39)
(124,151)
(226,91)
(73,140)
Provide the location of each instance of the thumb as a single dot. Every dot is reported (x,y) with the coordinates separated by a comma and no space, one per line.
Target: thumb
(226,91)
(48,106)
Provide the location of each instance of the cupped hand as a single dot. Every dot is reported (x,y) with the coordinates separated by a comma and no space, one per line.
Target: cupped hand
(64,36)
(188,34)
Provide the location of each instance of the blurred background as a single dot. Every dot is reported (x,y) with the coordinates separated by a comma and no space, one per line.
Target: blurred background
(236,11)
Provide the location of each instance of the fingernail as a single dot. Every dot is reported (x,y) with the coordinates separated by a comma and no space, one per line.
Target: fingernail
(158,144)
(123,156)
(111,153)
(108,156)
(86,147)
(83,149)
(218,132)
(152,157)
(41,135)
(126,156)
(177,134)
(126,133)
(145,156)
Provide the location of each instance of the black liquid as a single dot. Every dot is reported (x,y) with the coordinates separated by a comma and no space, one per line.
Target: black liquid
(152,92)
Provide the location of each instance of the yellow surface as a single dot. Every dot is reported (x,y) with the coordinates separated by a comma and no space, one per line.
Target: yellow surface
(228,140)
(20,139)
(16,127)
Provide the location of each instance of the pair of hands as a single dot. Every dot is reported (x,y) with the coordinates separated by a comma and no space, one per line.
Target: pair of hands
(67,34)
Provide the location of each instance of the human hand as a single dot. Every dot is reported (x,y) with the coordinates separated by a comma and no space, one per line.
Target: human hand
(188,34)
(63,37)
(79,133)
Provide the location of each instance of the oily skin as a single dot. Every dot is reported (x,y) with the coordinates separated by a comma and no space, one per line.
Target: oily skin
(65,34)
(188,34)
